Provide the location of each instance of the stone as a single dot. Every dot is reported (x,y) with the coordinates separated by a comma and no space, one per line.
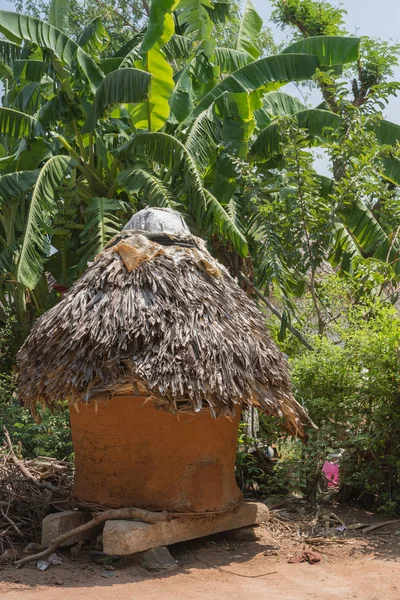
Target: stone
(9,555)
(129,537)
(58,523)
(156,559)
(244,534)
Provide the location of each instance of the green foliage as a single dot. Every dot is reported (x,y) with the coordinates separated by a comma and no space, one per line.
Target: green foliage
(52,437)
(377,62)
(309,17)
(100,120)
(122,19)
(350,388)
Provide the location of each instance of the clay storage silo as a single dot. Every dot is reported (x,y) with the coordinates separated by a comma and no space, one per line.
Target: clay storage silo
(157,349)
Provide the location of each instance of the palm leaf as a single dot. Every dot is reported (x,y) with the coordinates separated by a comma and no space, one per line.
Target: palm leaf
(330,50)
(226,224)
(369,235)
(270,261)
(29,70)
(153,114)
(219,11)
(281,103)
(58,14)
(17,125)
(14,185)
(237,112)
(195,17)
(344,248)
(275,70)
(124,86)
(130,59)
(8,257)
(20,27)
(134,42)
(178,47)
(154,191)
(27,99)
(318,123)
(276,104)
(230,60)
(94,38)
(202,138)
(171,154)
(6,72)
(387,133)
(249,31)
(160,26)
(9,52)
(174,157)
(42,209)
(183,96)
(101,224)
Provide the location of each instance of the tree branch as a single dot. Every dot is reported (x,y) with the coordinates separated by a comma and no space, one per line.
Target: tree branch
(276,312)
(138,514)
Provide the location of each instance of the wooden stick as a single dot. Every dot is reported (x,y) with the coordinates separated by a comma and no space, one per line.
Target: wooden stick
(138,514)
(18,463)
(378,525)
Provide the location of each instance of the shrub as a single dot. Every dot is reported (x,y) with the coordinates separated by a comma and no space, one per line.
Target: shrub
(52,437)
(350,386)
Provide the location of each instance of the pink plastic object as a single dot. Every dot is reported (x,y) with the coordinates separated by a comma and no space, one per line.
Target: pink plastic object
(331,472)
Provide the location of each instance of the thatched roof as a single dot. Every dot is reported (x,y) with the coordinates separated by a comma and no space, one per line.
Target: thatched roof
(156,315)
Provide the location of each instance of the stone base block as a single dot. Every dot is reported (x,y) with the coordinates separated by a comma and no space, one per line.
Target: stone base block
(128,537)
(58,523)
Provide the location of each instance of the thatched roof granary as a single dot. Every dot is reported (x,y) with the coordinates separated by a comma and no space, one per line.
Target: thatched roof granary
(156,312)
(156,323)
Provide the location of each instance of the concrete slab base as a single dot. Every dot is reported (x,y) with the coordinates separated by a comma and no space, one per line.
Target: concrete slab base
(128,537)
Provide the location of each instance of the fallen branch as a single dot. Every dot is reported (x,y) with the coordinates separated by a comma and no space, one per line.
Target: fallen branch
(26,473)
(138,514)
(378,525)
(325,540)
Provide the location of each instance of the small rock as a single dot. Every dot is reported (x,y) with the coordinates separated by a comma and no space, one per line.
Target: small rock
(157,559)
(58,582)
(32,548)
(9,555)
(107,574)
(244,534)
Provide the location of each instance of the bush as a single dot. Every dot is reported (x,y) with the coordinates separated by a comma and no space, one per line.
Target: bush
(52,437)
(350,386)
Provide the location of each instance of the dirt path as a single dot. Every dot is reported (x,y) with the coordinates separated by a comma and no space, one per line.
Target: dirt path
(216,568)
(365,579)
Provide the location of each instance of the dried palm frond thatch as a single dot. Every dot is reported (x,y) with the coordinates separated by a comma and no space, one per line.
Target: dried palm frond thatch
(156,315)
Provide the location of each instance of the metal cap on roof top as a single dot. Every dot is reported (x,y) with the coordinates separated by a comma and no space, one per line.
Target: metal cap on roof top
(158,219)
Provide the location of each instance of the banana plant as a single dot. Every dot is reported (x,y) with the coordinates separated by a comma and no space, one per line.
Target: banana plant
(166,121)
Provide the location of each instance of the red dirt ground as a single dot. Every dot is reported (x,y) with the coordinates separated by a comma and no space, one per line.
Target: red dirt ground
(362,568)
